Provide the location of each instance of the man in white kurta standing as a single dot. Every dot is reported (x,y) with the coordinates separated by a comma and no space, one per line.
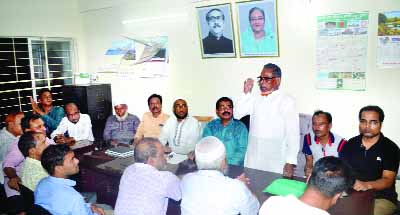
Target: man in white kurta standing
(274,124)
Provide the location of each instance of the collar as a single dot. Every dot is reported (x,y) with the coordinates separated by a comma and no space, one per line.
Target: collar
(380,140)
(229,123)
(211,173)
(331,139)
(62,181)
(144,165)
(214,37)
(265,95)
(34,161)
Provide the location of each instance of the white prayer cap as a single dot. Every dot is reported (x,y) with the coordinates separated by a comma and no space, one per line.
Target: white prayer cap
(209,149)
(119,101)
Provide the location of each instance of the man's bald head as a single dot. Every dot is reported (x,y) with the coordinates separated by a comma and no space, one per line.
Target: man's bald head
(150,151)
(72,112)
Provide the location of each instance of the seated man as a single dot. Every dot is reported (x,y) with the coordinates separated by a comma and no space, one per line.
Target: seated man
(181,132)
(208,191)
(375,160)
(14,159)
(321,142)
(329,178)
(144,187)
(152,121)
(31,145)
(74,127)
(233,133)
(121,127)
(55,193)
(51,115)
(10,132)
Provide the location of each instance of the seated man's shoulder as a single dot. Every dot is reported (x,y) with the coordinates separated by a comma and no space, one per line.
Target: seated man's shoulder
(132,117)
(390,144)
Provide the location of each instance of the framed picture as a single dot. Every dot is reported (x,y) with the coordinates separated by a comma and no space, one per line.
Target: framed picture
(258,28)
(216,31)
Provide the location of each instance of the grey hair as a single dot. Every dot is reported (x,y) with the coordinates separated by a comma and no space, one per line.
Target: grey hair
(145,149)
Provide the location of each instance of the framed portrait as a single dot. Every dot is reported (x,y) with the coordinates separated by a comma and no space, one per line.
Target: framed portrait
(216,31)
(258,28)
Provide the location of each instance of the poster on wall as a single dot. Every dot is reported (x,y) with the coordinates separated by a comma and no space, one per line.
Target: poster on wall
(341,55)
(258,28)
(216,31)
(388,52)
(134,57)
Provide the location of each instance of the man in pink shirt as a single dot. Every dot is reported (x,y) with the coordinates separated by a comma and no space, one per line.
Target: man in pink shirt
(13,163)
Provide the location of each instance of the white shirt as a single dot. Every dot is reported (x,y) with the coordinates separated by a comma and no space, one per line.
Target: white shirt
(288,205)
(210,192)
(274,137)
(82,130)
(181,136)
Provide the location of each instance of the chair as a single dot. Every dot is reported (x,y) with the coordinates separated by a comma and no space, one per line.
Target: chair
(246,121)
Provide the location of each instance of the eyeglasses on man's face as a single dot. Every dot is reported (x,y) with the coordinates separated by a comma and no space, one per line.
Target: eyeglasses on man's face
(261,78)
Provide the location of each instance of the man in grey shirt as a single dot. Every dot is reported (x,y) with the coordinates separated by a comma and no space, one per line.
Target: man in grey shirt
(121,127)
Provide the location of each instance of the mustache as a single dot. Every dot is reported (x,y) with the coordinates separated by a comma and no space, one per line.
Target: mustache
(217,25)
(154,108)
(226,113)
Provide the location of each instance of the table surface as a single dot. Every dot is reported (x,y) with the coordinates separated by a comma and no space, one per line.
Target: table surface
(354,203)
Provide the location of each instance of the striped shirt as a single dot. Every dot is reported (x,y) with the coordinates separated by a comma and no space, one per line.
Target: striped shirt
(144,190)
(312,146)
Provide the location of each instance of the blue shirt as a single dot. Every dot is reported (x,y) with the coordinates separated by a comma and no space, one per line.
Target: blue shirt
(53,118)
(58,196)
(234,136)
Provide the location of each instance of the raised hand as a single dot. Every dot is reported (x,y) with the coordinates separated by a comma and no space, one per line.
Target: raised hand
(248,85)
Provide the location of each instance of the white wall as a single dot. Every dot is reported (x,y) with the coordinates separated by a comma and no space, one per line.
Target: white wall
(96,23)
(202,81)
(43,18)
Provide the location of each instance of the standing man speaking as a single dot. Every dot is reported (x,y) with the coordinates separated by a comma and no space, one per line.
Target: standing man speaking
(274,124)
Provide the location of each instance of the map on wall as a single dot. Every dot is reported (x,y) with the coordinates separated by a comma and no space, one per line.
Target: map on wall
(342,42)
(133,57)
(388,53)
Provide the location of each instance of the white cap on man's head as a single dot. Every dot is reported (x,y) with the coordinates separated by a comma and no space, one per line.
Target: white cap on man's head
(119,101)
(209,149)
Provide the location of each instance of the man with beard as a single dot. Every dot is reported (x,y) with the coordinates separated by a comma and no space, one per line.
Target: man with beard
(73,127)
(121,127)
(209,191)
(152,121)
(145,188)
(374,159)
(233,133)
(274,124)
(321,142)
(215,42)
(181,131)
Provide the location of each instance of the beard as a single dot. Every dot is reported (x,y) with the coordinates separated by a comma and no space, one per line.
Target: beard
(181,117)
(122,118)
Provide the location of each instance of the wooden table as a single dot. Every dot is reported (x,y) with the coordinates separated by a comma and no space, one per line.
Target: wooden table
(95,177)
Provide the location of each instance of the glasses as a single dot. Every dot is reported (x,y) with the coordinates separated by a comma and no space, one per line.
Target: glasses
(260,78)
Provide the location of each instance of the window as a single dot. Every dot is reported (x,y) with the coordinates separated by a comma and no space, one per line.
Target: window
(30,64)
